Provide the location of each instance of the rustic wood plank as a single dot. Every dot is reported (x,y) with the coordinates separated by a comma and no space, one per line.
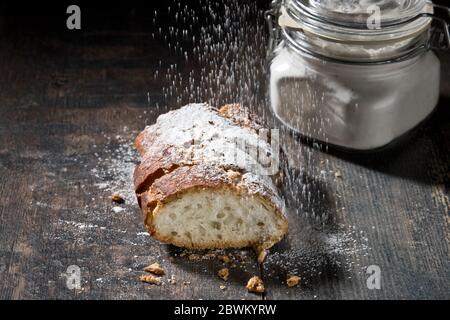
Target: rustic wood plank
(393,207)
(71,104)
(67,125)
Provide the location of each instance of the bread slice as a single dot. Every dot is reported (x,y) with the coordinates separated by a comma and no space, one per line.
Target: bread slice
(200,185)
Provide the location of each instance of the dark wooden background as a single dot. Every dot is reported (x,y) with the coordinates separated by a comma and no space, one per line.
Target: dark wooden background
(71,103)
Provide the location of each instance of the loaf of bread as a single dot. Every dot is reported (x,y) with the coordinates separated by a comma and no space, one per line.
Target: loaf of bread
(200,185)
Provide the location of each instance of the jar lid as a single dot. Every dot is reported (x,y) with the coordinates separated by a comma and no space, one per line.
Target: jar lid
(358,12)
(349,20)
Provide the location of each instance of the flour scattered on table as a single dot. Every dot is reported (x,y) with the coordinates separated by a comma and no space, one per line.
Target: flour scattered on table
(116,163)
(109,183)
(338,251)
(117,209)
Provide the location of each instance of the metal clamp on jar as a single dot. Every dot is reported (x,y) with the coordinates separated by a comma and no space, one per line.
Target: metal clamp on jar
(356,74)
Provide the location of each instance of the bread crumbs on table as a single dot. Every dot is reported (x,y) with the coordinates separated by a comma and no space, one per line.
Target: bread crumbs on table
(117,198)
(194,257)
(255,284)
(292,280)
(155,268)
(172,280)
(224,258)
(151,279)
(210,255)
(223,274)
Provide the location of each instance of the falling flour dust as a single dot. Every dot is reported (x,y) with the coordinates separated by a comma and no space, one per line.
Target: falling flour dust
(229,55)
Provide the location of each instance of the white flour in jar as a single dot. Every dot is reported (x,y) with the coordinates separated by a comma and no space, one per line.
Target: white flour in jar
(355,106)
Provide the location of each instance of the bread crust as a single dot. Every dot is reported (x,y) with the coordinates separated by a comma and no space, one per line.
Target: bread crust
(166,174)
(153,166)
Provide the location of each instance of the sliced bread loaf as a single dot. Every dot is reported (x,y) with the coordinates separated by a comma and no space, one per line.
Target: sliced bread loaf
(200,183)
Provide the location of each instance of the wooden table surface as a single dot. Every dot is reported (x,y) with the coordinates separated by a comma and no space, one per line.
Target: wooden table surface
(71,104)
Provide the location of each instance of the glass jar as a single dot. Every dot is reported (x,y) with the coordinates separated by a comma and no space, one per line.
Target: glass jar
(355,73)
